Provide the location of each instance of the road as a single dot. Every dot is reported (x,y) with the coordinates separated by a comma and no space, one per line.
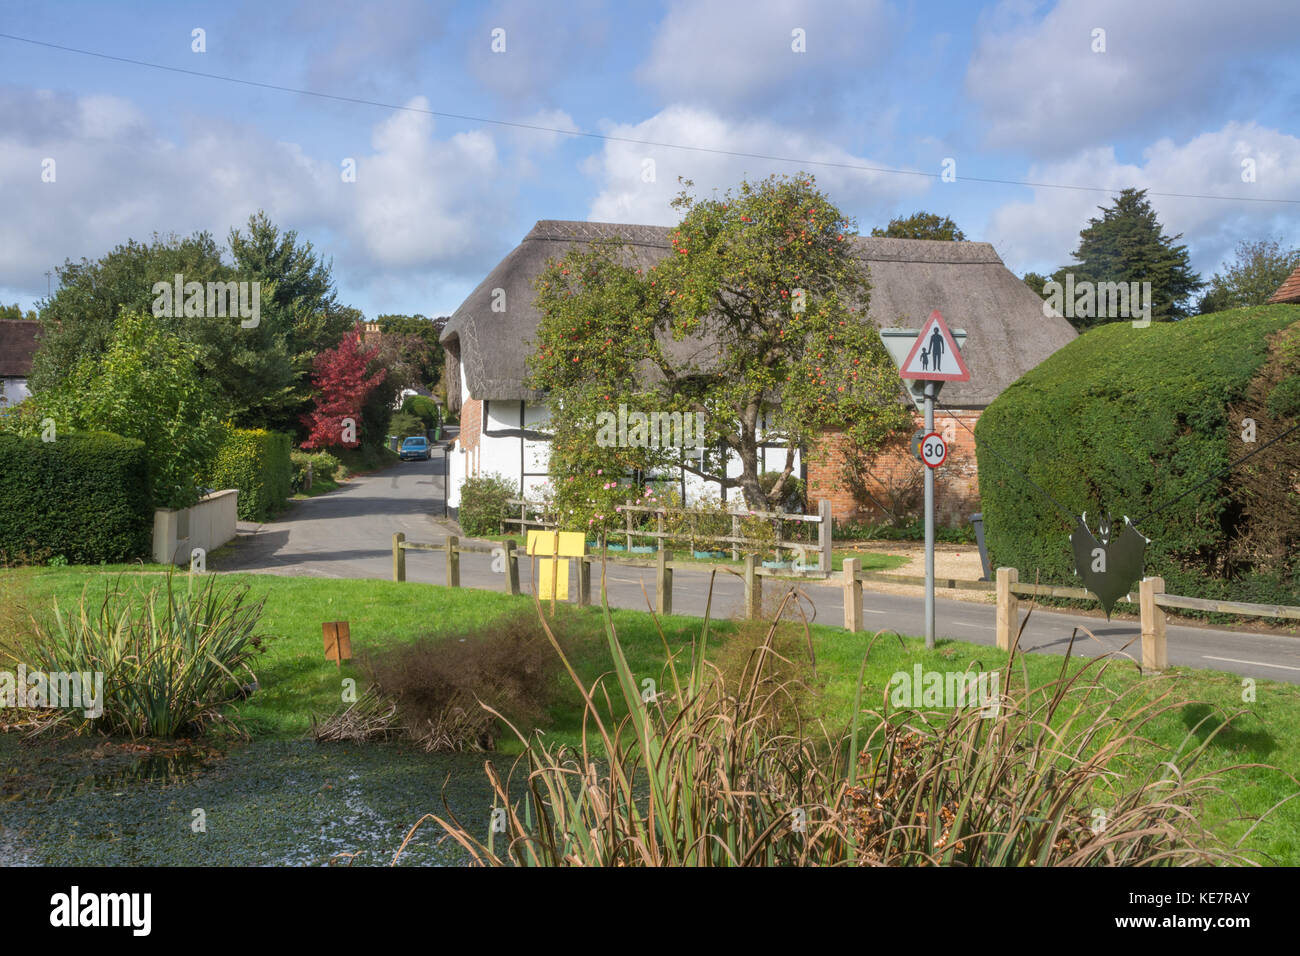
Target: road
(348,534)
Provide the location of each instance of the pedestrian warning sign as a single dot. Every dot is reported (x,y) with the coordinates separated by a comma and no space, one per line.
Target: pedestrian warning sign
(934,355)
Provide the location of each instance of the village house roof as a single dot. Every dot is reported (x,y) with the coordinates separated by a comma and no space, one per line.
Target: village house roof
(966,281)
(17,347)
(1288,291)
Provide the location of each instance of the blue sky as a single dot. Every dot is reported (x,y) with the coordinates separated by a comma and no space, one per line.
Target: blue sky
(1183,93)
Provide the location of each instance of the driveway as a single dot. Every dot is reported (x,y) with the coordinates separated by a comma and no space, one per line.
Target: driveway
(348,534)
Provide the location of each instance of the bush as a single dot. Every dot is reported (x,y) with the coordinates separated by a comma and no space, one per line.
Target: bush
(170,659)
(404,425)
(794,499)
(423,408)
(440,686)
(83,497)
(1124,420)
(256,462)
(324,467)
(913,530)
(483,503)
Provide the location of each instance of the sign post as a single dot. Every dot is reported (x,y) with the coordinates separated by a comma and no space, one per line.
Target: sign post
(933,358)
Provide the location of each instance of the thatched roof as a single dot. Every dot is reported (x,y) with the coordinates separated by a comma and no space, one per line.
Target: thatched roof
(966,281)
(17,347)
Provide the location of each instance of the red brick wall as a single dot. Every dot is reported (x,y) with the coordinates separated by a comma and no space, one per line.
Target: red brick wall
(471,422)
(956,491)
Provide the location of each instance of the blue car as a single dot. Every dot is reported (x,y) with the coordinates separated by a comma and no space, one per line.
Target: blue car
(414,449)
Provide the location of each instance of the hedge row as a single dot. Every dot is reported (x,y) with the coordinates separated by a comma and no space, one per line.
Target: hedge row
(83,497)
(256,462)
(1125,419)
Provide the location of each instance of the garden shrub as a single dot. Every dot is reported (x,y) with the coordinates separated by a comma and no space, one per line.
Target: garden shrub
(258,463)
(483,503)
(324,467)
(1123,420)
(83,497)
(423,408)
(404,425)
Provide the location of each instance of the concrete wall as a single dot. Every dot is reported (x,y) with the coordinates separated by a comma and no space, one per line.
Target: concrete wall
(207,525)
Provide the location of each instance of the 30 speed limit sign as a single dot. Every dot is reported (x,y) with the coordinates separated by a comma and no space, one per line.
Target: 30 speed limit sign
(934,450)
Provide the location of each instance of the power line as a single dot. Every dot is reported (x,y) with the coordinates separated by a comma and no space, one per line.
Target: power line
(858,167)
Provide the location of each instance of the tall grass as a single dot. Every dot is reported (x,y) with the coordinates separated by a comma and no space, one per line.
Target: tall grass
(704,775)
(170,659)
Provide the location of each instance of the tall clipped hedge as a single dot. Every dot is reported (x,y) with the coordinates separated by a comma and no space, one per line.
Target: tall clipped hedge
(83,497)
(255,461)
(1125,419)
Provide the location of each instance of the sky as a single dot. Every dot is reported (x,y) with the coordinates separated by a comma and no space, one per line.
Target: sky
(465,123)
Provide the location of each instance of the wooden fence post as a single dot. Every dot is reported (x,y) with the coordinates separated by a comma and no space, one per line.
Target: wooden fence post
(399,557)
(824,535)
(512,567)
(628,513)
(664,584)
(453,562)
(735,533)
(1008,616)
(1155,650)
(584,581)
(852,595)
(753,588)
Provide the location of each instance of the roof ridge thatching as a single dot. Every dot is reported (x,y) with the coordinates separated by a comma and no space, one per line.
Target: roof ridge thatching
(967,281)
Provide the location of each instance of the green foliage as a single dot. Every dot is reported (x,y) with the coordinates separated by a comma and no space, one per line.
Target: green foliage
(145,385)
(404,425)
(260,375)
(170,662)
(483,503)
(256,462)
(913,530)
(422,347)
(781,364)
(921,225)
(15,312)
(1255,273)
(1128,244)
(423,408)
(1124,419)
(82,497)
(324,467)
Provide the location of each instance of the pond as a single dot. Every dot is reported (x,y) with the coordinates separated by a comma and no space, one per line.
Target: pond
(91,802)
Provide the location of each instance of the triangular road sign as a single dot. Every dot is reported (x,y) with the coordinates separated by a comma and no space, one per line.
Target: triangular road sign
(934,356)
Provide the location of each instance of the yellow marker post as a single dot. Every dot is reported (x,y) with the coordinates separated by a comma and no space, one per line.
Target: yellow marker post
(554,572)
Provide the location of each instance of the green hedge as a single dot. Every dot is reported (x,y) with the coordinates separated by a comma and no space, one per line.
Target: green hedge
(324,467)
(83,497)
(423,408)
(1125,419)
(256,462)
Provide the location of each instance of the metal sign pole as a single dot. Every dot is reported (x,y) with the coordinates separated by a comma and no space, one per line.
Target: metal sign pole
(930,389)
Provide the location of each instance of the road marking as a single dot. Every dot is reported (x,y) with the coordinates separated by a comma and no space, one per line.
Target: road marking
(1234,660)
(964,624)
(867,610)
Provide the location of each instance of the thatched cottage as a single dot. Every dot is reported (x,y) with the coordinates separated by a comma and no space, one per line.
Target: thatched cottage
(488,340)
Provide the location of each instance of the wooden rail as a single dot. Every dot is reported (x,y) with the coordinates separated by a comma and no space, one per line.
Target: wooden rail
(1151,597)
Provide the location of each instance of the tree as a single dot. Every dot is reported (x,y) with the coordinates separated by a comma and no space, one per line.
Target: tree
(756,321)
(921,225)
(1127,244)
(147,385)
(344,382)
(1255,273)
(420,344)
(15,312)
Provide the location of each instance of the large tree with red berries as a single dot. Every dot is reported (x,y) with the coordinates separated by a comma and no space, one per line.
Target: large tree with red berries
(757,319)
(342,386)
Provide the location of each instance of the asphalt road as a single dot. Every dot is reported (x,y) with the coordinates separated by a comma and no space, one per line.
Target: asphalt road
(348,534)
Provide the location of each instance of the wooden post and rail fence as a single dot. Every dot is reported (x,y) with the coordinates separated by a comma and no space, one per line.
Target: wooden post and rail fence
(1151,598)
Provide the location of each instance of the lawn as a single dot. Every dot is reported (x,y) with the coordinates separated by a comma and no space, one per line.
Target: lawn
(296,682)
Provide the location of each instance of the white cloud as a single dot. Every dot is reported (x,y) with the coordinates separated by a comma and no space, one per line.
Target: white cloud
(1039,83)
(626,196)
(724,56)
(1041,233)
